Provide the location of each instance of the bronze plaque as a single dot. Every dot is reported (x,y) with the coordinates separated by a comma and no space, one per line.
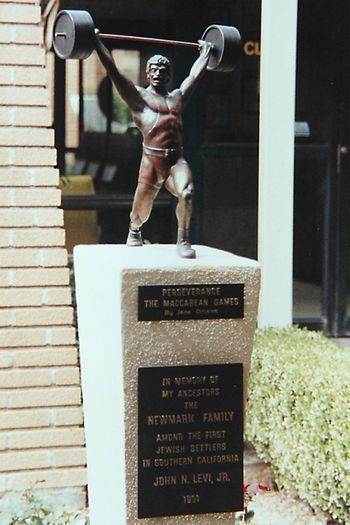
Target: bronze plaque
(190,301)
(190,440)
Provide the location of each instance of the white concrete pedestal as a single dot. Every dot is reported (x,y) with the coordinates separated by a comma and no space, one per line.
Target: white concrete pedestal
(114,344)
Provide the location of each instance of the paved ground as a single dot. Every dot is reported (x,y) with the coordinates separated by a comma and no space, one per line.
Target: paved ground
(276,507)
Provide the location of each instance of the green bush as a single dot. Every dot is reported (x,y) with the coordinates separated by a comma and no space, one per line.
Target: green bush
(34,508)
(298,415)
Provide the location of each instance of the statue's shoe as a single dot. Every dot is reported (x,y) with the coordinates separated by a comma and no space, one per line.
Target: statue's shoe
(134,238)
(185,250)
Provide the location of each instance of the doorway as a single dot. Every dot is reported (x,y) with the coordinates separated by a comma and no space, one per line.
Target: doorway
(321,224)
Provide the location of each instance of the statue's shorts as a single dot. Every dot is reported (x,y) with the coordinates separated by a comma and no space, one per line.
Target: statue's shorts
(156,164)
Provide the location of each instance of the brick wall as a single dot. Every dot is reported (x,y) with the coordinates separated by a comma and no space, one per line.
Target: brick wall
(41,433)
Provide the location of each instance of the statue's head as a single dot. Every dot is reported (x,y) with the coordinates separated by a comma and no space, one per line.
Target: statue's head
(158,70)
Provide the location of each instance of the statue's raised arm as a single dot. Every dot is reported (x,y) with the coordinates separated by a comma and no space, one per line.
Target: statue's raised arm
(125,87)
(188,85)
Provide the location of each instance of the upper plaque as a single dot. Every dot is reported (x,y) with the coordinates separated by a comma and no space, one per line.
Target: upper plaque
(190,301)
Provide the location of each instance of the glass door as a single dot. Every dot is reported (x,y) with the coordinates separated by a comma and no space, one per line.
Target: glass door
(321,228)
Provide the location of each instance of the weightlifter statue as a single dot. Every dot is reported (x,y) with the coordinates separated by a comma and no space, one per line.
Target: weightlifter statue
(158,115)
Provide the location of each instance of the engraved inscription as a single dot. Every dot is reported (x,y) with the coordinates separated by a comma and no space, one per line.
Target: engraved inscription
(190,440)
(223,301)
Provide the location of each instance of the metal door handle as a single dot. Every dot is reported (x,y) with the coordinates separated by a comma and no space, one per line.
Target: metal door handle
(341,151)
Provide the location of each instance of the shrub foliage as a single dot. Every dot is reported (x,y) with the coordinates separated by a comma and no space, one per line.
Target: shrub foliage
(35,508)
(298,415)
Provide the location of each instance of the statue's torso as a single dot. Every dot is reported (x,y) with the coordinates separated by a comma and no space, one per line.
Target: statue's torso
(160,122)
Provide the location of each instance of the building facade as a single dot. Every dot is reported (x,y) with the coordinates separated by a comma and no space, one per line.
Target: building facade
(64,130)
(41,419)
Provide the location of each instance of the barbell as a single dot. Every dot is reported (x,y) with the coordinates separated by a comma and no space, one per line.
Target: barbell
(74,36)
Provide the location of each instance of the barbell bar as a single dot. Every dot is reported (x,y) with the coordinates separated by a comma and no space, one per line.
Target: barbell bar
(74,37)
(147,39)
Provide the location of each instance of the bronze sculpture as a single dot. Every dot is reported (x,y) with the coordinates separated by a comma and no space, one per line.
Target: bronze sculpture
(158,115)
(156,112)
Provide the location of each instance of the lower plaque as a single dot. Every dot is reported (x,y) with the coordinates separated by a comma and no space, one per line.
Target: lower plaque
(190,440)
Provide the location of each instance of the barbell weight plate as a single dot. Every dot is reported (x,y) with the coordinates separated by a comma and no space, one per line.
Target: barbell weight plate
(74,34)
(227,44)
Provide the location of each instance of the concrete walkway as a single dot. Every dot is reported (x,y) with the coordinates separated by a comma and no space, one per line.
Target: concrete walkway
(276,507)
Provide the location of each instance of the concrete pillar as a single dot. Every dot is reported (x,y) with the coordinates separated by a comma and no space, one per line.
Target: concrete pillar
(276,160)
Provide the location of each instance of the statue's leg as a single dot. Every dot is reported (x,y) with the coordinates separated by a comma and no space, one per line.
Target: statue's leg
(142,204)
(180,184)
